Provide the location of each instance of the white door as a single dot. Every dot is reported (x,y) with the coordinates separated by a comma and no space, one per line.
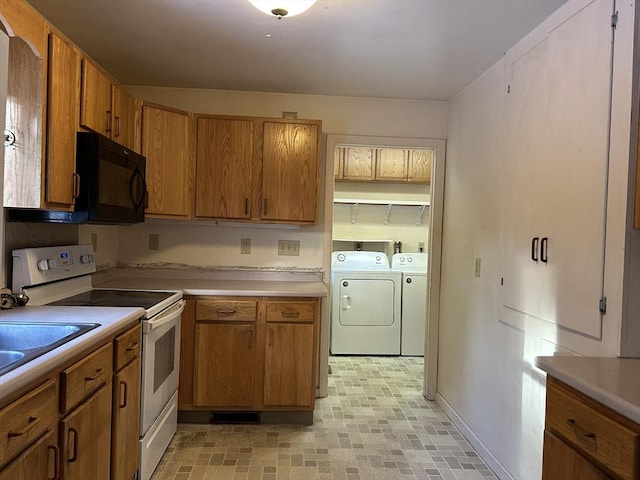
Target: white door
(366,302)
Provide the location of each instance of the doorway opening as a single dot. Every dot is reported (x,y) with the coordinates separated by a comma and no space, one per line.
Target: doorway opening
(382,195)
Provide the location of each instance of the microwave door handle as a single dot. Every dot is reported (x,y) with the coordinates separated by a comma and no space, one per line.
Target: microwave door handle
(137,202)
(164,318)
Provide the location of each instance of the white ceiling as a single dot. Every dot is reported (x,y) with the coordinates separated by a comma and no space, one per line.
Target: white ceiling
(413,49)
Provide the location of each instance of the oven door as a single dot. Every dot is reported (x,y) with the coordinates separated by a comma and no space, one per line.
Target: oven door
(160,362)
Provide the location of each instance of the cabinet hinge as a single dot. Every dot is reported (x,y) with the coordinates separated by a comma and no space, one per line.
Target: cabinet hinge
(603,305)
(508,88)
(614,20)
(502,281)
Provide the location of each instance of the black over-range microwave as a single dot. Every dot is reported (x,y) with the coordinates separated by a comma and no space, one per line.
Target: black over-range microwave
(112,186)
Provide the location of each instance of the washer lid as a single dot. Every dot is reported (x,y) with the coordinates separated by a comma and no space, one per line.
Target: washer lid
(410,262)
(358,260)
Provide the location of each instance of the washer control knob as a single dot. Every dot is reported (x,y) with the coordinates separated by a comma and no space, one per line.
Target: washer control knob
(341,257)
(43,265)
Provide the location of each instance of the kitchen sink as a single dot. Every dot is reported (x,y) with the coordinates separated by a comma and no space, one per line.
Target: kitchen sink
(22,342)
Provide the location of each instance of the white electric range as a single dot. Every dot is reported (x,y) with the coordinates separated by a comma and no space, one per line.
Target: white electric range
(61,276)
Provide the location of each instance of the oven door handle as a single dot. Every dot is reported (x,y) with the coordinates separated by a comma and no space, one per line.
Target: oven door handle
(163,317)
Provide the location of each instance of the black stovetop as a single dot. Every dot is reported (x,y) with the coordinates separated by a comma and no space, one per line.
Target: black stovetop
(114,298)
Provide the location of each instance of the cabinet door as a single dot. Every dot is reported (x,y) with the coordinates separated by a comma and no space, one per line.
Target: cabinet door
(95,103)
(561,462)
(225,364)
(359,163)
(126,422)
(392,164)
(420,165)
(338,160)
(85,439)
(41,461)
(166,143)
(187,348)
(289,378)
(62,112)
(556,166)
(290,171)
(124,118)
(224,168)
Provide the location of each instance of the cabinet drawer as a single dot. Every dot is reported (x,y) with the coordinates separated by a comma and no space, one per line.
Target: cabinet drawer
(590,431)
(291,311)
(127,346)
(229,310)
(26,419)
(85,377)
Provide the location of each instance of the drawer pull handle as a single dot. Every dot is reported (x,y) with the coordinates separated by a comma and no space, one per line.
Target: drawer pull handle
(290,314)
(74,445)
(56,462)
(229,311)
(583,433)
(32,421)
(133,346)
(94,376)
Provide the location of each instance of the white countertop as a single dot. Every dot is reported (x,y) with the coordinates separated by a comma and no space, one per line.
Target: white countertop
(614,382)
(231,283)
(111,319)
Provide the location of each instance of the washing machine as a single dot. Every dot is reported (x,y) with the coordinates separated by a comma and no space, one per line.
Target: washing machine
(365,304)
(413,267)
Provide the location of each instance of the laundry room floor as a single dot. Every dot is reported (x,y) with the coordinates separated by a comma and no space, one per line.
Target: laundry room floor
(374,425)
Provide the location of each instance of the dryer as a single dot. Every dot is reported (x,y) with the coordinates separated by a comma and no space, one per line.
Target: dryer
(365,304)
(414,300)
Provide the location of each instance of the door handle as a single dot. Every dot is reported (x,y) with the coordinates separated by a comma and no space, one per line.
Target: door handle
(544,243)
(56,461)
(74,444)
(346,302)
(123,394)
(534,248)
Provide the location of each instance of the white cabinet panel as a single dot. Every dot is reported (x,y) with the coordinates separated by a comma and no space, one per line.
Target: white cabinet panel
(556,169)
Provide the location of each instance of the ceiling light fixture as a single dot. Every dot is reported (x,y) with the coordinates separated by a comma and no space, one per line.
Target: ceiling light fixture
(283,8)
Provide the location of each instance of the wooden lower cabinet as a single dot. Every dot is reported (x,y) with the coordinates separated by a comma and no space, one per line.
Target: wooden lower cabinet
(41,461)
(125,446)
(225,364)
(289,378)
(561,462)
(585,440)
(251,353)
(86,436)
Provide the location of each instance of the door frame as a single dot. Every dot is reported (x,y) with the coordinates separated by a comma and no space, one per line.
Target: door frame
(434,250)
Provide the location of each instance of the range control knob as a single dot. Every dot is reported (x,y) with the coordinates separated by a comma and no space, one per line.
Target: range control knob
(409,259)
(43,265)
(341,257)
(52,263)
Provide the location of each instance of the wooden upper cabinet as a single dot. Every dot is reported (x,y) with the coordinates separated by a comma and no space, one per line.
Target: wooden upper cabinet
(338,161)
(290,172)
(124,117)
(392,164)
(359,163)
(420,162)
(167,145)
(224,167)
(95,109)
(63,104)
(106,108)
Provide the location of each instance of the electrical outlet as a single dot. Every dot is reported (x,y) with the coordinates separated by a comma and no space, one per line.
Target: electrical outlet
(478,262)
(245,246)
(289,247)
(154,241)
(94,242)
(421,247)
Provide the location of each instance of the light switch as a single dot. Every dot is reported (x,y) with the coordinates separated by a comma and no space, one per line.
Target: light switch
(245,246)
(289,247)
(154,241)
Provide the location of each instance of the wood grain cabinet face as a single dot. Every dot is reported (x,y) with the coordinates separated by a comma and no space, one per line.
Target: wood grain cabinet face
(106,108)
(126,422)
(86,436)
(167,146)
(392,164)
(39,462)
(420,162)
(584,438)
(359,164)
(290,172)
(224,168)
(63,106)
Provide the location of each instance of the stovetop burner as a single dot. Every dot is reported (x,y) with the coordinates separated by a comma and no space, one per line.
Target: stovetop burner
(114,298)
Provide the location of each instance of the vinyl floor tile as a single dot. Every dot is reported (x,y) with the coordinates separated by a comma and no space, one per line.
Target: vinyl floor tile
(374,425)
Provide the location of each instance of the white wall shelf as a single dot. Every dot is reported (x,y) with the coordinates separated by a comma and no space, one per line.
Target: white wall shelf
(389,204)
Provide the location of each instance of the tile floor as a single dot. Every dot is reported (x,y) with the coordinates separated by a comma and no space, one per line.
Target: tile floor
(374,425)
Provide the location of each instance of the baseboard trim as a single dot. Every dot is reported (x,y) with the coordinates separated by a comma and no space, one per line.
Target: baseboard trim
(492,462)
